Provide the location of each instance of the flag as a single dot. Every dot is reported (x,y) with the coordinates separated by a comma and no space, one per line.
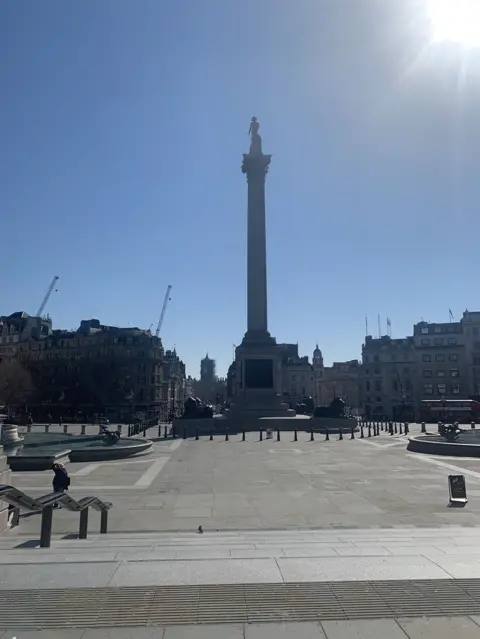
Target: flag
(389,323)
(450,314)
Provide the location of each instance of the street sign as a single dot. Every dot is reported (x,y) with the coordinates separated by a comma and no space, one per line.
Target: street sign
(457,490)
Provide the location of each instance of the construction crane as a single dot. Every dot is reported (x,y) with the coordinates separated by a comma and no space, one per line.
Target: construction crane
(164,308)
(47,296)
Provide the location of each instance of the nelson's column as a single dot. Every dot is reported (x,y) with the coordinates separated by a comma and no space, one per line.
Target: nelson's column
(257,359)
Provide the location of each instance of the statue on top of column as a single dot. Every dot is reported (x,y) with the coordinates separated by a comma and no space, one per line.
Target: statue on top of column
(255,139)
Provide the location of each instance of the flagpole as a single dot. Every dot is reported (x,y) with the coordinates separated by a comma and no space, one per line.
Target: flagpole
(366,326)
(379,327)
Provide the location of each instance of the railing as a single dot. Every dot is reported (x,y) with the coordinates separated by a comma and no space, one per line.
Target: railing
(45,505)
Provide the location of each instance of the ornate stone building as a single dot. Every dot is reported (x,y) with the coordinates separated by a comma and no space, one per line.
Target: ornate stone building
(100,370)
(389,377)
(342,380)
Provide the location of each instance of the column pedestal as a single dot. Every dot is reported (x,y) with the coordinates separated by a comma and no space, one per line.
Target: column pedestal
(259,379)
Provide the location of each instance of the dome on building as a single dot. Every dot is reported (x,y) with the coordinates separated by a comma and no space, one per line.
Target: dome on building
(317,358)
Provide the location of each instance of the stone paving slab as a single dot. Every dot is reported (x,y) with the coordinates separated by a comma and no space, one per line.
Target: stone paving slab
(401,628)
(235,485)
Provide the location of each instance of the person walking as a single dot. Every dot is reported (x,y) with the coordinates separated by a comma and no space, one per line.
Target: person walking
(61,480)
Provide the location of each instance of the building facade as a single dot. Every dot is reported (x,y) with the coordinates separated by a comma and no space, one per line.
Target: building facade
(99,370)
(341,380)
(207,370)
(389,378)
(441,358)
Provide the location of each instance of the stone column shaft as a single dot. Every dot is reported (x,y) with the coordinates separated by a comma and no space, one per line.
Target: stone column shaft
(256,254)
(255,166)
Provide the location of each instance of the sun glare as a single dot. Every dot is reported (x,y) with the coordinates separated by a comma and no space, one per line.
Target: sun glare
(455,21)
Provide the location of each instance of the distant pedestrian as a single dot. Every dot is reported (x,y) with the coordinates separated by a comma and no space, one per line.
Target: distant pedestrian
(60,420)
(61,480)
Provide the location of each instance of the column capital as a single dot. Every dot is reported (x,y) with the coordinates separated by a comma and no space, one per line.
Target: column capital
(255,164)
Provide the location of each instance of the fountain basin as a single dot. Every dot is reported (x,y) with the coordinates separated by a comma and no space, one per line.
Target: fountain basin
(466,445)
(40,451)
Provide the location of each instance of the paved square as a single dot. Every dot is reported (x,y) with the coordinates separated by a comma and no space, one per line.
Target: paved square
(235,485)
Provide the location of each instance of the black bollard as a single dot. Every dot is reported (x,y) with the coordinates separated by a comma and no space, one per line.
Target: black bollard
(184,432)
(295,435)
(406,428)
(390,428)
(352,434)
(83,429)
(197,433)
(369,429)
(243,434)
(261,435)
(159,434)
(211,435)
(400,430)
(340,434)
(278,434)
(423,429)
(361,431)
(327,436)
(311,435)
(226,435)
(166,431)
(395,428)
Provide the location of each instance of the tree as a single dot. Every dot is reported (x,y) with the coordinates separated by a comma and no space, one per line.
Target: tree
(15,384)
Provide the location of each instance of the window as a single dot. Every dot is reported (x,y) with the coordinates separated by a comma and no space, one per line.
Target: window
(367,386)
(450,328)
(367,371)
(454,358)
(378,398)
(378,386)
(376,371)
(440,373)
(425,341)
(368,398)
(454,372)
(441,389)
(426,358)
(428,389)
(438,341)
(427,373)
(456,389)
(375,358)
(365,358)
(452,340)
(437,329)
(439,358)
(424,330)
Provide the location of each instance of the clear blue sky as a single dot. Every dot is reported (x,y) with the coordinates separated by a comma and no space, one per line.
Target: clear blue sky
(123,124)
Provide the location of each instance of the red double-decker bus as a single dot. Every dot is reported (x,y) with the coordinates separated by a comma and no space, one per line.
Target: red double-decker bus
(449,410)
